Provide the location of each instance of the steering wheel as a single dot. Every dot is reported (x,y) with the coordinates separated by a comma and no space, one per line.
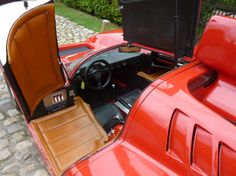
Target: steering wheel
(98,75)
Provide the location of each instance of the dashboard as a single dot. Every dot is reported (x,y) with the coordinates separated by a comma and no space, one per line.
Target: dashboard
(114,58)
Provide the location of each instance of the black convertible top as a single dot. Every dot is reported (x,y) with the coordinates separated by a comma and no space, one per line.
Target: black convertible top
(168,25)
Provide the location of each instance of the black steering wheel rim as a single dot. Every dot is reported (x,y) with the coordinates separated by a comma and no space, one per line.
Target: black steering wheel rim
(97,73)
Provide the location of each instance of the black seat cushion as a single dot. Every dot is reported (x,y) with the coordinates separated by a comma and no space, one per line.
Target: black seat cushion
(129,99)
(107,112)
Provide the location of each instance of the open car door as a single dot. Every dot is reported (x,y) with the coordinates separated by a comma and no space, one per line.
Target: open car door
(30,62)
(65,129)
(33,57)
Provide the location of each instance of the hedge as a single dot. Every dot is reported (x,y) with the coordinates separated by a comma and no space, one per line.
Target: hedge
(210,7)
(106,9)
(109,9)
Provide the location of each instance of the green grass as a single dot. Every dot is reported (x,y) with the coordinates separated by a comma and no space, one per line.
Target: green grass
(81,18)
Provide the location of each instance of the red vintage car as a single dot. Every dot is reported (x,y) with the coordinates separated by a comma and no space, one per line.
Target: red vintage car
(148,104)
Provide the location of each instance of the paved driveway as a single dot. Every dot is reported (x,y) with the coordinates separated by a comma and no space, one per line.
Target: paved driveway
(18,154)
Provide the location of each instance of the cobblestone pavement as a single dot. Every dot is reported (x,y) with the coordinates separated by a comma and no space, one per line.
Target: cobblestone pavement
(18,154)
(70,32)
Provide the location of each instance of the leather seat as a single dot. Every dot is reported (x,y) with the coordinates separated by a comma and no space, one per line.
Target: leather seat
(68,135)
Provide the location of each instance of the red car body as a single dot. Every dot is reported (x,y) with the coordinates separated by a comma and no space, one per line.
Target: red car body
(96,42)
(188,136)
(183,123)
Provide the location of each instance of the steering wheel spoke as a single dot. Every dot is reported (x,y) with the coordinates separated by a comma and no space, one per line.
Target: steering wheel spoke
(99,83)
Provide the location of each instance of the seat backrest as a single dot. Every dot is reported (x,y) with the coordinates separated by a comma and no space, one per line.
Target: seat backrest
(33,55)
(217,47)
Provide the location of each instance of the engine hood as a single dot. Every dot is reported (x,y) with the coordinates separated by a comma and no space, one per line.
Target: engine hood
(169,25)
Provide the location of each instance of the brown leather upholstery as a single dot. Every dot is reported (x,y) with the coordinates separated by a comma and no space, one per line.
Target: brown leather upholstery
(152,77)
(69,135)
(33,56)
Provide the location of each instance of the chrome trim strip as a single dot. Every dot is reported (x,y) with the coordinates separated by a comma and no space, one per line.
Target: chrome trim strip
(122,107)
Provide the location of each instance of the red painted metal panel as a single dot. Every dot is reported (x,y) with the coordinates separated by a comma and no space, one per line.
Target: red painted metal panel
(227,161)
(177,136)
(217,47)
(202,151)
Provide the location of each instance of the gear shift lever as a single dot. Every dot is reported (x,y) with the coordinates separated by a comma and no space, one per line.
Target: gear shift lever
(113,86)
